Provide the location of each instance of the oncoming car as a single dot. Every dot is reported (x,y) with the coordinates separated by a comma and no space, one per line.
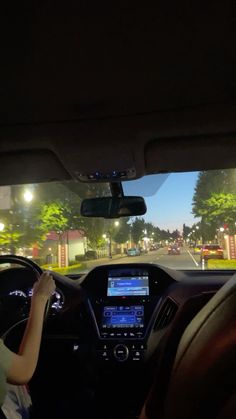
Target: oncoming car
(128,112)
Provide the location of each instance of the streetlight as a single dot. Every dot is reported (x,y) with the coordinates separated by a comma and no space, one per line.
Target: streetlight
(116,224)
(2,226)
(28,196)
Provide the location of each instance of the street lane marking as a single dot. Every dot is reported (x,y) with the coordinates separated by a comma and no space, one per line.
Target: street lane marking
(196,263)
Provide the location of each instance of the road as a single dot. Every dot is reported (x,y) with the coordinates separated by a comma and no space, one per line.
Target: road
(186,260)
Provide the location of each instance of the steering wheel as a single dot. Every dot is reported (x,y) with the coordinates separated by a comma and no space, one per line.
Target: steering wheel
(37,271)
(20,260)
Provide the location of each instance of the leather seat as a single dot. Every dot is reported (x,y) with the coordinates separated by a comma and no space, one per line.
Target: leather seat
(203,379)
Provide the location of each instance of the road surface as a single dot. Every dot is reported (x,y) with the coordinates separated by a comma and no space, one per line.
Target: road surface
(186,260)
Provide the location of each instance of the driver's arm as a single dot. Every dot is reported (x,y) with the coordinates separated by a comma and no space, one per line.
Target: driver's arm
(23,364)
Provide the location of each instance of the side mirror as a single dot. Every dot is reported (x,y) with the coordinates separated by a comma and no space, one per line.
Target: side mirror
(113,207)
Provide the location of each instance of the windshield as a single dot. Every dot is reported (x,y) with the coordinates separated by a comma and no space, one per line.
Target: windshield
(190,223)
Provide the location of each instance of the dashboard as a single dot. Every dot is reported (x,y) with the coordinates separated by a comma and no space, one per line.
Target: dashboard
(116,324)
(132,306)
(126,308)
(122,301)
(57,299)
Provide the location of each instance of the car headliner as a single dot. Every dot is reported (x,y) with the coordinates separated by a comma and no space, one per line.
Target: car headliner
(97,86)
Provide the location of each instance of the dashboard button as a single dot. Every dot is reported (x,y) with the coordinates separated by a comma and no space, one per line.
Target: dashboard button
(136,355)
(121,352)
(103,355)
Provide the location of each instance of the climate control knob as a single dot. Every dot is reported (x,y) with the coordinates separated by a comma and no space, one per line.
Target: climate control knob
(121,352)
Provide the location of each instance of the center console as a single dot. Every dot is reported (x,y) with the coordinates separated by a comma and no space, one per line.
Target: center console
(122,316)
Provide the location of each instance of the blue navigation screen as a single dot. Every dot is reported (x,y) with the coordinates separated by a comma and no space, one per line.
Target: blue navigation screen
(123,317)
(125,283)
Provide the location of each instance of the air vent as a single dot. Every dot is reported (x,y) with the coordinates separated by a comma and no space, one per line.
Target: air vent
(166,314)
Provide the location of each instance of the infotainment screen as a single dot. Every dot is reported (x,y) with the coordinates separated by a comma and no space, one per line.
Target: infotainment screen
(123,317)
(127,282)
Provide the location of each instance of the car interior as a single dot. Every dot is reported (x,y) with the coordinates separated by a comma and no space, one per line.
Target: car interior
(89,89)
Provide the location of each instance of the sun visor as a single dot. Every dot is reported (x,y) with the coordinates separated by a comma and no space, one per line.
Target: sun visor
(191,153)
(31,166)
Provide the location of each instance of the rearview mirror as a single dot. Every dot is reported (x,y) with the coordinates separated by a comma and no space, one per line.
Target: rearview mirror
(113,207)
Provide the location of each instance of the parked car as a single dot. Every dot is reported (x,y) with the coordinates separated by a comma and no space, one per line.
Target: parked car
(212,251)
(133,252)
(174,250)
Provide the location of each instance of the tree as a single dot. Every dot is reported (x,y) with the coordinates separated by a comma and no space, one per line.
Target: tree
(175,235)
(9,238)
(122,234)
(186,231)
(221,209)
(52,216)
(69,196)
(210,183)
(94,229)
(21,222)
(137,230)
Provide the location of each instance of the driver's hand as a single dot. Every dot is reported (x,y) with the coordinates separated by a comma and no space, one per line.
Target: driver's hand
(44,287)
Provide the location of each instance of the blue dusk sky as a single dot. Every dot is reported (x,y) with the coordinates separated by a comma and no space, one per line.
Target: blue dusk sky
(168,198)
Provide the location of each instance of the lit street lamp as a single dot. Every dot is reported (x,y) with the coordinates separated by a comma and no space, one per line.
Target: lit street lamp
(116,224)
(28,196)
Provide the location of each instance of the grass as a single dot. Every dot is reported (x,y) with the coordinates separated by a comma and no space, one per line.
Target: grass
(221,264)
(73,269)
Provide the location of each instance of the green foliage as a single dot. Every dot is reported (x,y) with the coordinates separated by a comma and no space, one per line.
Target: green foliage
(175,234)
(221,209)
(79,267)
(8,238)
(122,233)
(209,182)
(186,231)
(221,264)
(52,216)
(79,258)
(214,201)
(94,229)
(138,228)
